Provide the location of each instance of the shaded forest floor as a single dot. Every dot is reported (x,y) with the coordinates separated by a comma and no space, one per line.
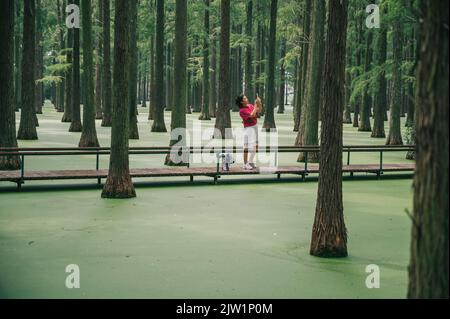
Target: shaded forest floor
(226,241)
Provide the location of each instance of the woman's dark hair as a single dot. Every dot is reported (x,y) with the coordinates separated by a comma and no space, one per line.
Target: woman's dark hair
(239,100)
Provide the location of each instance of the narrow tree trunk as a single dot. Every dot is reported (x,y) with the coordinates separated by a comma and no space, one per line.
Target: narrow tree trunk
(395,135)
(223,119)
(381,85)
(303,70)
(61,86)
(213,80)
(249,89)
(151,113)
(428,269)
(27,127)
(134,131)
(205,116)
(364,122)
(17,54)
(329,235)
(158,123)
(119,183)
(282,87)
(67,117)
(178,121)
(89,132)
(98,65)
(309,121)
(76,88)
(7,109)
(106,66)
(269,119)
(38,67)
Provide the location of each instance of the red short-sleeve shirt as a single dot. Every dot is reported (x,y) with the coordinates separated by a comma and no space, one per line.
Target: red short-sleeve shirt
(245,114)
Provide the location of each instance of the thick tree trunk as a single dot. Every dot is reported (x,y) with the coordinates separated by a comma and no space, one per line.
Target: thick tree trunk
(269,119)
(119,183)
(7,109)
(158,123)
(27,127)
(106,66)
(329,235)
(223,119)
(428,270)
(76,126)
(89,132)
(205,116)
(178,121)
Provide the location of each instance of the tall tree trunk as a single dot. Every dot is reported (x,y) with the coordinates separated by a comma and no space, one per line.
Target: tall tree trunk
(357,103)
(428,269)
(249,89)
(213,79)
(76,126)
(364,122)
(67,117)
(98,65)
(178,121)
(309,121)
(7,109)
(329,235)
(269,119)
(158,123)
(134,131)
(17,56)
(303,71)
(61,86)
(151,113)
(223,119)
(119,183)
(38,67)
(106,66)
(395,135)
(89,132)
(27,127)
(205,103)
(169,80)
(410,87)
(381,85)
(347,119)
(282,87)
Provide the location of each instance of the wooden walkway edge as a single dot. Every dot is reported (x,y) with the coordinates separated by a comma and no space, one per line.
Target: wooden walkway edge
(16,177)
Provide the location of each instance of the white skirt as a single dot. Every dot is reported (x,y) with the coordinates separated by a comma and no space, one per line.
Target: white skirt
(251,136)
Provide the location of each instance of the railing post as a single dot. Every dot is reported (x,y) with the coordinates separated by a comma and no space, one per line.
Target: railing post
(381,162)
(22,173)
(97,166)
(306,165)
(348,157)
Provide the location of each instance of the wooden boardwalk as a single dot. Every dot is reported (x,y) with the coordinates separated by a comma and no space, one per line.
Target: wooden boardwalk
(15,176)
